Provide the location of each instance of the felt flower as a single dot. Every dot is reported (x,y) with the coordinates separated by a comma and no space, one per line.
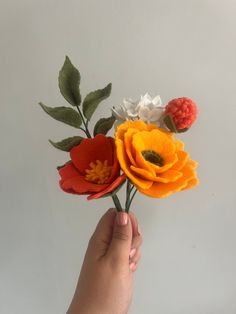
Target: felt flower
(126,111)
(183,112)
(153,160)
(93,168)
(146,108)
(150,109)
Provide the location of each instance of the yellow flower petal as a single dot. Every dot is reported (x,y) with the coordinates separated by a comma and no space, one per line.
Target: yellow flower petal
(193,163)
(159,142)
(154,140)
(168,176)
(183,157)
(177,172)
(179,144)
(125,166)
(192,183)
(169,162)
(122,128)
(143,163)
(165,189)
(128,136)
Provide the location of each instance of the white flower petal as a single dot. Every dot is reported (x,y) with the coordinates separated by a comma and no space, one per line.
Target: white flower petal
(156,114)
(116,113)
(146,108)
(157,101)
(146,99)
(144,113)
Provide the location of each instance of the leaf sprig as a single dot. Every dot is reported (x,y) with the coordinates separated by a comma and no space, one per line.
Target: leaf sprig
(69,84)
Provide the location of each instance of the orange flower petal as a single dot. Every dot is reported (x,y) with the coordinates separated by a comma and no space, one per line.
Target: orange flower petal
(153,126)
(169,162)
(192,183)
(165,189)
(164,146)
(128,137)
(193,163)
(91,149)
(73,182)
(68,171)
(179,145)
(154,140)
(177,173)
(109,189)
(143,163)
(183,157)
(122,129)
(143,173)
(125,165)
(78,185)
(168,176)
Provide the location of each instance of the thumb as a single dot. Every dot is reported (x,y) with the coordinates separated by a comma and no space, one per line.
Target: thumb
(121,238)
(100,240)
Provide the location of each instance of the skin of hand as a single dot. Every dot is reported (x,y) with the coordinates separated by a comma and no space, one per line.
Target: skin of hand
(105,284)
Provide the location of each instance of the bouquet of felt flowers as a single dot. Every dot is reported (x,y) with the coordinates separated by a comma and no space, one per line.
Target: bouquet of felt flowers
(143,152)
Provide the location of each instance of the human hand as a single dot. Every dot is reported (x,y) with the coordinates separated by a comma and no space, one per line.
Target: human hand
(105,284)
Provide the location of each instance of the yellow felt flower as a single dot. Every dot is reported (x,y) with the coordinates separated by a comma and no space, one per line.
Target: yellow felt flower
(153,160)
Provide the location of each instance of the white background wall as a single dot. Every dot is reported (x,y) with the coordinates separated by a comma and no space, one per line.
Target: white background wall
(174,48)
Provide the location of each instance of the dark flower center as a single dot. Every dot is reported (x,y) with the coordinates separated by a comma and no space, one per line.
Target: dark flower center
(153,157)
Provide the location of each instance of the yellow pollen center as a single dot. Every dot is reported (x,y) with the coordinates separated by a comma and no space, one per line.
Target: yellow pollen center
(99,173)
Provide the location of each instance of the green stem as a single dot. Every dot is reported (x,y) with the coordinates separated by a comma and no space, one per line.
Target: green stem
(131,199)
(128,190)
(84,123)
(83,130)
(117,203)
(132,188)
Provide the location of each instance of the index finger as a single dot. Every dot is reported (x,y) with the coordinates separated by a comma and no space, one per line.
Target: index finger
(134,223)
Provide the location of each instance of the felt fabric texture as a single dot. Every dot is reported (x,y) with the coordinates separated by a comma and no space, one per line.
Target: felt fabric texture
(74,172)
(178,171)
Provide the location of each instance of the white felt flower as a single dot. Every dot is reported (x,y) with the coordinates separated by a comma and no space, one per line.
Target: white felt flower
(126,111)
(150,109)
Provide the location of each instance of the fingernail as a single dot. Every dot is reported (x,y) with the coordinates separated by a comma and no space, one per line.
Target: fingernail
(122,218)
(132,266)
(139,231)
(132,253)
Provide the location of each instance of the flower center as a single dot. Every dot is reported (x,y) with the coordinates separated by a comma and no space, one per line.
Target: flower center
(99,172)
(153,157)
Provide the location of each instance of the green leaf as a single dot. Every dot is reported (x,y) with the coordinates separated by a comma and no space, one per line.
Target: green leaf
(93,99)
(59,167)
(63,114)
(170,123)
(67,144)
(69,80)
(103,125)
(183,130)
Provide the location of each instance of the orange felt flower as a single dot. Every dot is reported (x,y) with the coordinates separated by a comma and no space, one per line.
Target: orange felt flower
(93,168)
(153,160)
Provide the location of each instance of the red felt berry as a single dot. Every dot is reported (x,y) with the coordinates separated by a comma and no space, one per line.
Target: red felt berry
(183,112)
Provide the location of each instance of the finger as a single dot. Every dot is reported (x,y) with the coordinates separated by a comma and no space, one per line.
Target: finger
(101,237)
(137,242)
(132,253)
(136,257)
(133,267)
(120,245)
(134,223)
